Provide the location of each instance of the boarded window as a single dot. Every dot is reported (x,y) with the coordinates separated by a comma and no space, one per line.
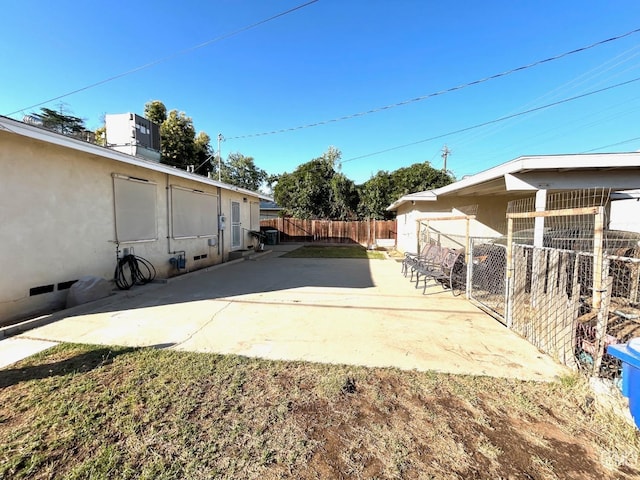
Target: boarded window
(255,216)
(193,213)
(135,209)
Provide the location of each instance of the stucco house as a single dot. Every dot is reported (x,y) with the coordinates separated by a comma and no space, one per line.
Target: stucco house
(490,191)
(69,208)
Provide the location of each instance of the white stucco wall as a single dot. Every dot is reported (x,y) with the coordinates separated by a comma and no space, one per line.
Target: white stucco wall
(490,218)
(625,215)
(58,222)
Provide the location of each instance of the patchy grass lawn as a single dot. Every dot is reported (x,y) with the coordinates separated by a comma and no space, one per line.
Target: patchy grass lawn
(81,411)
(347,251)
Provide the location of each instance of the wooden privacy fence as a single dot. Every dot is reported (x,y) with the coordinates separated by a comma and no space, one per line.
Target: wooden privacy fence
(332,231)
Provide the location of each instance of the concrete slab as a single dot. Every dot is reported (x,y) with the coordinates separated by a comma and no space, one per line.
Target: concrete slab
(15,349)
(322,310)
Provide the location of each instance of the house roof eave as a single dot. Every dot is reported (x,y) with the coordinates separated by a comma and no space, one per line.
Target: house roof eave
(36,133)
(502,176)
(426,196)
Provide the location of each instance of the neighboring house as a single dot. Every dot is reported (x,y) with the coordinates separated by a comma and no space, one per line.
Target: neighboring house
(67,207)
(269,210)
(490,191)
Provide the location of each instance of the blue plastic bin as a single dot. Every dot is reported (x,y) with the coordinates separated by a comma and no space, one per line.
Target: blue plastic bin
(630,356)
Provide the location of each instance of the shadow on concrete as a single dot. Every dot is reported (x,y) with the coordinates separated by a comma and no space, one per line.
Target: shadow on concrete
(270,273)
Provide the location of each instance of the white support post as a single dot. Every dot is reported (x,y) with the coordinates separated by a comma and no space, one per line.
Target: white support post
(541,205)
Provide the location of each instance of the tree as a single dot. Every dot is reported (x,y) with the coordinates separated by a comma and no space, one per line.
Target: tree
(384,188)
(242,172)
(178,140)
(180,146)
(376,194)
(316,190)
(418,178)
(60,122)
(344,198)
(101,136)
(203,153)
(155,111)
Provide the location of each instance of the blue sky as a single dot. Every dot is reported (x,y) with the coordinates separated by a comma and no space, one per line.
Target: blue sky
(335,58)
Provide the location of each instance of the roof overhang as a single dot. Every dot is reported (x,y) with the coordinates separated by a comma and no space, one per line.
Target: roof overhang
(427,196)
(47,136)
(617,171)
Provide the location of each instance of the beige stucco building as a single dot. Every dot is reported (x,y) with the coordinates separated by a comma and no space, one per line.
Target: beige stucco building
(68,207)
(486,195)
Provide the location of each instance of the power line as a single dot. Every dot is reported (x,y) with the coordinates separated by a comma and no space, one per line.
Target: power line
(612,145)
(501,119)
(169,57)
(440,92)
(589,75)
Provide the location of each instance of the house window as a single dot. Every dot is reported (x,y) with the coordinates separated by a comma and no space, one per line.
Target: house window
(135,209)
(193,213)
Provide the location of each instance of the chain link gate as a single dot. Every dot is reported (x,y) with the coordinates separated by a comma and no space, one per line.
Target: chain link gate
(488,265)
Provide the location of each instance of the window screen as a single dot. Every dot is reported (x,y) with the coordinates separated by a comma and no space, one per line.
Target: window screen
(193,213)
(135,209)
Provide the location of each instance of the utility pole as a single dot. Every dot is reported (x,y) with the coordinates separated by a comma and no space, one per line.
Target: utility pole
(445,154)
(220,139)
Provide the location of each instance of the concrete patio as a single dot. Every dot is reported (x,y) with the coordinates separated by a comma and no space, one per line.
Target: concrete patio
(346,311)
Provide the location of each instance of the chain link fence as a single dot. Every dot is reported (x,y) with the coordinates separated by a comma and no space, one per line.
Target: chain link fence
(573,283)
(560,278)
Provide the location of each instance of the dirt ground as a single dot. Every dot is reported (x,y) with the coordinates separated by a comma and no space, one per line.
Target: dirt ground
(444,436)
(96,412)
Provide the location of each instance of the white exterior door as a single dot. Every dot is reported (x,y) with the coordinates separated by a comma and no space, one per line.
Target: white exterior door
(236,237)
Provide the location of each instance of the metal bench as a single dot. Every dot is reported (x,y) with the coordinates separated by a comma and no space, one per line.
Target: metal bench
(445,266)
(410,259)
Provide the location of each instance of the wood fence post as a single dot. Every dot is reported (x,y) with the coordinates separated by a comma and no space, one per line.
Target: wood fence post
(601,328)
(598,235)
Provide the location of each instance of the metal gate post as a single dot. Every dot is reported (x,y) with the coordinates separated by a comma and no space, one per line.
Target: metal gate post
(509,280)
(468,258)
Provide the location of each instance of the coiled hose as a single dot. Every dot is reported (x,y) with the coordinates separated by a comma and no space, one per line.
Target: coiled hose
(132,270)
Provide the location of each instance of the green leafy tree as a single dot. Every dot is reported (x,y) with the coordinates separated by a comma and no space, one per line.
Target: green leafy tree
(344,198)
(384,188)
(316,190)
(203,153)
(242,172)
(376,194)
(180,146)
(418,178)
(178,140)
(155,111)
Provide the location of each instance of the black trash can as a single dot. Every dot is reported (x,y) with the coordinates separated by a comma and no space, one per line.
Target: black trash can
(272,237)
